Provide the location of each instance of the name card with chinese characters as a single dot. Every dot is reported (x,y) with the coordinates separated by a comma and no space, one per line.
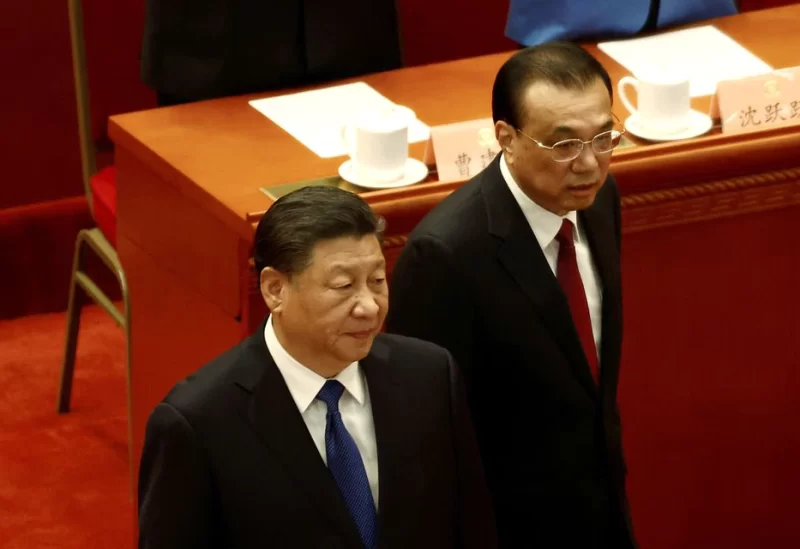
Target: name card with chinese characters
(759,102)
(461,150)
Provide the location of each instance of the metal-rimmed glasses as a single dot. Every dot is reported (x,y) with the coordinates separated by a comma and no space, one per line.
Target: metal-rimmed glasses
(570,149)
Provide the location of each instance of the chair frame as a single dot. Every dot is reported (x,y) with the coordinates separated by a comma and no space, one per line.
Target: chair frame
(81,286)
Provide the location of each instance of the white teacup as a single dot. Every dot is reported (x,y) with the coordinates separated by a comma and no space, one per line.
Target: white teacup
(663,101)
(377,142)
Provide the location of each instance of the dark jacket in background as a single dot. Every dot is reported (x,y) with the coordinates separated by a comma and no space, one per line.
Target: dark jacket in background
(201,49)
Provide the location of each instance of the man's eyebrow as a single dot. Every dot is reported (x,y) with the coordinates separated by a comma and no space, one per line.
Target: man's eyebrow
(349,266)
(563,129)
(569,130)
(608,124)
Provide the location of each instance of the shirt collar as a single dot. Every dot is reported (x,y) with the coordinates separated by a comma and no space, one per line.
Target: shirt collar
(544,223)
(304,384)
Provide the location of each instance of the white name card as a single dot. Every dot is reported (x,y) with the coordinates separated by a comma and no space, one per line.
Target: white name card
(759,102)
(461,150)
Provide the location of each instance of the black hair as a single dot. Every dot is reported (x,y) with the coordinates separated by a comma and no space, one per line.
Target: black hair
(563,64)
(296,222)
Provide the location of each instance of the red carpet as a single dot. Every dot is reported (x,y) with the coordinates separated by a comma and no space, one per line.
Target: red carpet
(63,479)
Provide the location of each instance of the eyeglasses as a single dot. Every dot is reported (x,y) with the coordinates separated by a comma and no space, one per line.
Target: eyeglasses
(570,149)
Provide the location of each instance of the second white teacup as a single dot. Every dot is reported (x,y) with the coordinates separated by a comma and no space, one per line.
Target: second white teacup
(377,143)
(663,101)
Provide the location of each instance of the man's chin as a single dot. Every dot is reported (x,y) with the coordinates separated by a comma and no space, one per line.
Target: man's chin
(357,346)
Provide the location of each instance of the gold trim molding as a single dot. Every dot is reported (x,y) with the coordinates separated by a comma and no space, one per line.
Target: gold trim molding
(706,201)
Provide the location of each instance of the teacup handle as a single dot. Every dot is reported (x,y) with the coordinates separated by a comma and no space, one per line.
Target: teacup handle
(621,88)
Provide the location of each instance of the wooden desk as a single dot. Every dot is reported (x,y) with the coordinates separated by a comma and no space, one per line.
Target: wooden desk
(710,264)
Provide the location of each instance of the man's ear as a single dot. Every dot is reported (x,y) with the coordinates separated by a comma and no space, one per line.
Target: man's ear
(505,135)
(273,288)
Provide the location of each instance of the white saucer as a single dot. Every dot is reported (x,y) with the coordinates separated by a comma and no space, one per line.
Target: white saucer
(698,124)
(415,171)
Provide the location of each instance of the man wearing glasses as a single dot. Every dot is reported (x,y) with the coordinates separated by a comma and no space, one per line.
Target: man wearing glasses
(517,273)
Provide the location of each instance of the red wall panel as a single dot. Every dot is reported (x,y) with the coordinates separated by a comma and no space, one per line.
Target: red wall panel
(38,142)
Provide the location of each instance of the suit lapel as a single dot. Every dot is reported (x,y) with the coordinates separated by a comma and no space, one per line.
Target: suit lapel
(274,416)
(393,438)
(600,232)
(519,252)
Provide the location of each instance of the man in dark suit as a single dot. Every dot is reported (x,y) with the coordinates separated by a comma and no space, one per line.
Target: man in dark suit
(317,431)
(193,50)
(517,273)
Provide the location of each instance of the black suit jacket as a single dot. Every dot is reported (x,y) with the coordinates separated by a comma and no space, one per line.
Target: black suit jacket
(473,279)
(229,462)
(199,49)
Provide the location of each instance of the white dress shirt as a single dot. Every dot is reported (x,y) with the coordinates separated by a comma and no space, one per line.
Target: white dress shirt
(545,226)
(354,406)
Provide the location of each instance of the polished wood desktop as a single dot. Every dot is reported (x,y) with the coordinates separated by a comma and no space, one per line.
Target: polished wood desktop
(709,271)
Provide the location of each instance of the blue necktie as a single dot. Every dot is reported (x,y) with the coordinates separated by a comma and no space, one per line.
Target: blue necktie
(347,468)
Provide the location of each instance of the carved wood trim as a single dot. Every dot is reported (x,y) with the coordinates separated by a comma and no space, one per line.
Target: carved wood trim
(702,202)
(714,187)
(641,211)
(706,201)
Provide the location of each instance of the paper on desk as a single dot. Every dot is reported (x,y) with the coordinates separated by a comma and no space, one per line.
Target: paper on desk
(316,117)
(704,54)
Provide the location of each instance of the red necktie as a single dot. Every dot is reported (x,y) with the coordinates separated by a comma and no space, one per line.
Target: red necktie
(569,277)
